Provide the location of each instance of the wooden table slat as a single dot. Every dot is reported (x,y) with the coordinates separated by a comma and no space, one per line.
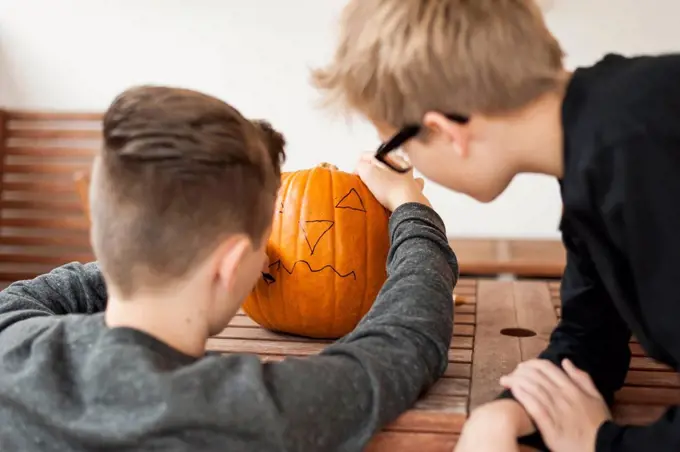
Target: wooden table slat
(411,441)
(494,355)
(535,313)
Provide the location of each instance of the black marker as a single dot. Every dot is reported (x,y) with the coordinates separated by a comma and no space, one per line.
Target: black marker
(268,278)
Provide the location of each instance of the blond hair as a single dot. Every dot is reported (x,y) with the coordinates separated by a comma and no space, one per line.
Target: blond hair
(398,59)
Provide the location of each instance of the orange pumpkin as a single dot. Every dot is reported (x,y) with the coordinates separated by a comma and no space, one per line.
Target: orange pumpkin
(327,254)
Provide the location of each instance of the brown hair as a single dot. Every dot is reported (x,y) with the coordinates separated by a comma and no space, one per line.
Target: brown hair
(398,59)
(179,171)
(274,141)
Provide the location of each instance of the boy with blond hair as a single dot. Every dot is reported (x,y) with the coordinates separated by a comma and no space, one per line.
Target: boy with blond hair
(112,355)
(472,93)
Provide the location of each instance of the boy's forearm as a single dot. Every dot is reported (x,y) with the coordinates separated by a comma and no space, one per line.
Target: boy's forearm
(507,414)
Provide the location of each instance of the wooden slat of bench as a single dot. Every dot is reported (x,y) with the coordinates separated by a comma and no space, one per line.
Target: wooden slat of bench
(666,379)
(233,332)
(631,414)
(41,220)
(57,206)
(50,153)
(67,170)
(535,313)
(418,420)
(412,441)
(648,395)
(502,305)
(443,404)
(55,134)
(536,258)
(459,370)
(42,187)
(447,386)
(645,363)
(493,355)
(548,256)
(27,115)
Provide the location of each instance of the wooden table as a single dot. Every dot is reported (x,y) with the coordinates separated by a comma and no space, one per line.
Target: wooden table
(529,258)
(478,356)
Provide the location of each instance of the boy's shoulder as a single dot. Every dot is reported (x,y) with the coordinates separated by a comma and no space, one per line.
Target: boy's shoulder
(620,97)
(51,331)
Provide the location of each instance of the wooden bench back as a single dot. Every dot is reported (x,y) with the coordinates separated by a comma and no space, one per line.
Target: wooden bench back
(44,214)
(41,216)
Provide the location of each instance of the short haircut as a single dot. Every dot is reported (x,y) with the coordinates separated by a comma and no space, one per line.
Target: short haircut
(179,171)
(274,141)
(398,59)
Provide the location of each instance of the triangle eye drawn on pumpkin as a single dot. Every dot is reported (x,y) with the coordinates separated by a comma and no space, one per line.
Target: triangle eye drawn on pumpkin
(314,230)
(351,201)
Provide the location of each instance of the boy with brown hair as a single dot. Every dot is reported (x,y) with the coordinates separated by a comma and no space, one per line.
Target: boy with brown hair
(112,355)
(480,85)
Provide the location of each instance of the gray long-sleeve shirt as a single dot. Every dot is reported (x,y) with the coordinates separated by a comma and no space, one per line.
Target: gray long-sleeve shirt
(70,383)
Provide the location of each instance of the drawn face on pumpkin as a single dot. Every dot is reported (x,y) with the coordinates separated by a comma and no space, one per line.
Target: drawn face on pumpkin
(327,252)
(313,231)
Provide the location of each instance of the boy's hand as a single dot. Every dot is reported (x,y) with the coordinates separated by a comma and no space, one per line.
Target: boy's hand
(566,406)
(495,427)
(390,188)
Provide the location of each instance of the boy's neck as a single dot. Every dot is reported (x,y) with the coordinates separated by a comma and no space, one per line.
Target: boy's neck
(539,137)
(170,318)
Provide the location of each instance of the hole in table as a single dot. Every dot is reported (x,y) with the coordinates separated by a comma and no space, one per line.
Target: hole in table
(517,332)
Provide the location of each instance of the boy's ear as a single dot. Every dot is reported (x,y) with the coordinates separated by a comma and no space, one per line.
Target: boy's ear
(450,131)
(230,255)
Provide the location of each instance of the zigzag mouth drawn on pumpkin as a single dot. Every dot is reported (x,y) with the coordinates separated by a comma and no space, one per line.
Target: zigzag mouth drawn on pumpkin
(269,278)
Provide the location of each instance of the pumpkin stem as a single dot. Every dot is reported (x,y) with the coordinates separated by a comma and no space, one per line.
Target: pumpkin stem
(328,165)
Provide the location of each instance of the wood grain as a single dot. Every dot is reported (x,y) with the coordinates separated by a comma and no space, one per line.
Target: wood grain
(494,355)
(43,222)
(413,441)
(534,312)
(531,258)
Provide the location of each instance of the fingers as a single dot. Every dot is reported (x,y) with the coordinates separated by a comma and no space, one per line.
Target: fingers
(581,378)
(542,413)
(421,183)
(555,377)
(533,382)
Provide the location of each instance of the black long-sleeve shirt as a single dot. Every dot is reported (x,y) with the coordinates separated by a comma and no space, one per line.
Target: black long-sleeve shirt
(621,229)
(70,383)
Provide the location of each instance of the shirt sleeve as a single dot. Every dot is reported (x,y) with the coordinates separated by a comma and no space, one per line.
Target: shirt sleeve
(73,288)
(591,333)
(652,222)
(339,399)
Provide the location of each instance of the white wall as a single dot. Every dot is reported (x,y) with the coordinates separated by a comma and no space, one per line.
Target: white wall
(255,54)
